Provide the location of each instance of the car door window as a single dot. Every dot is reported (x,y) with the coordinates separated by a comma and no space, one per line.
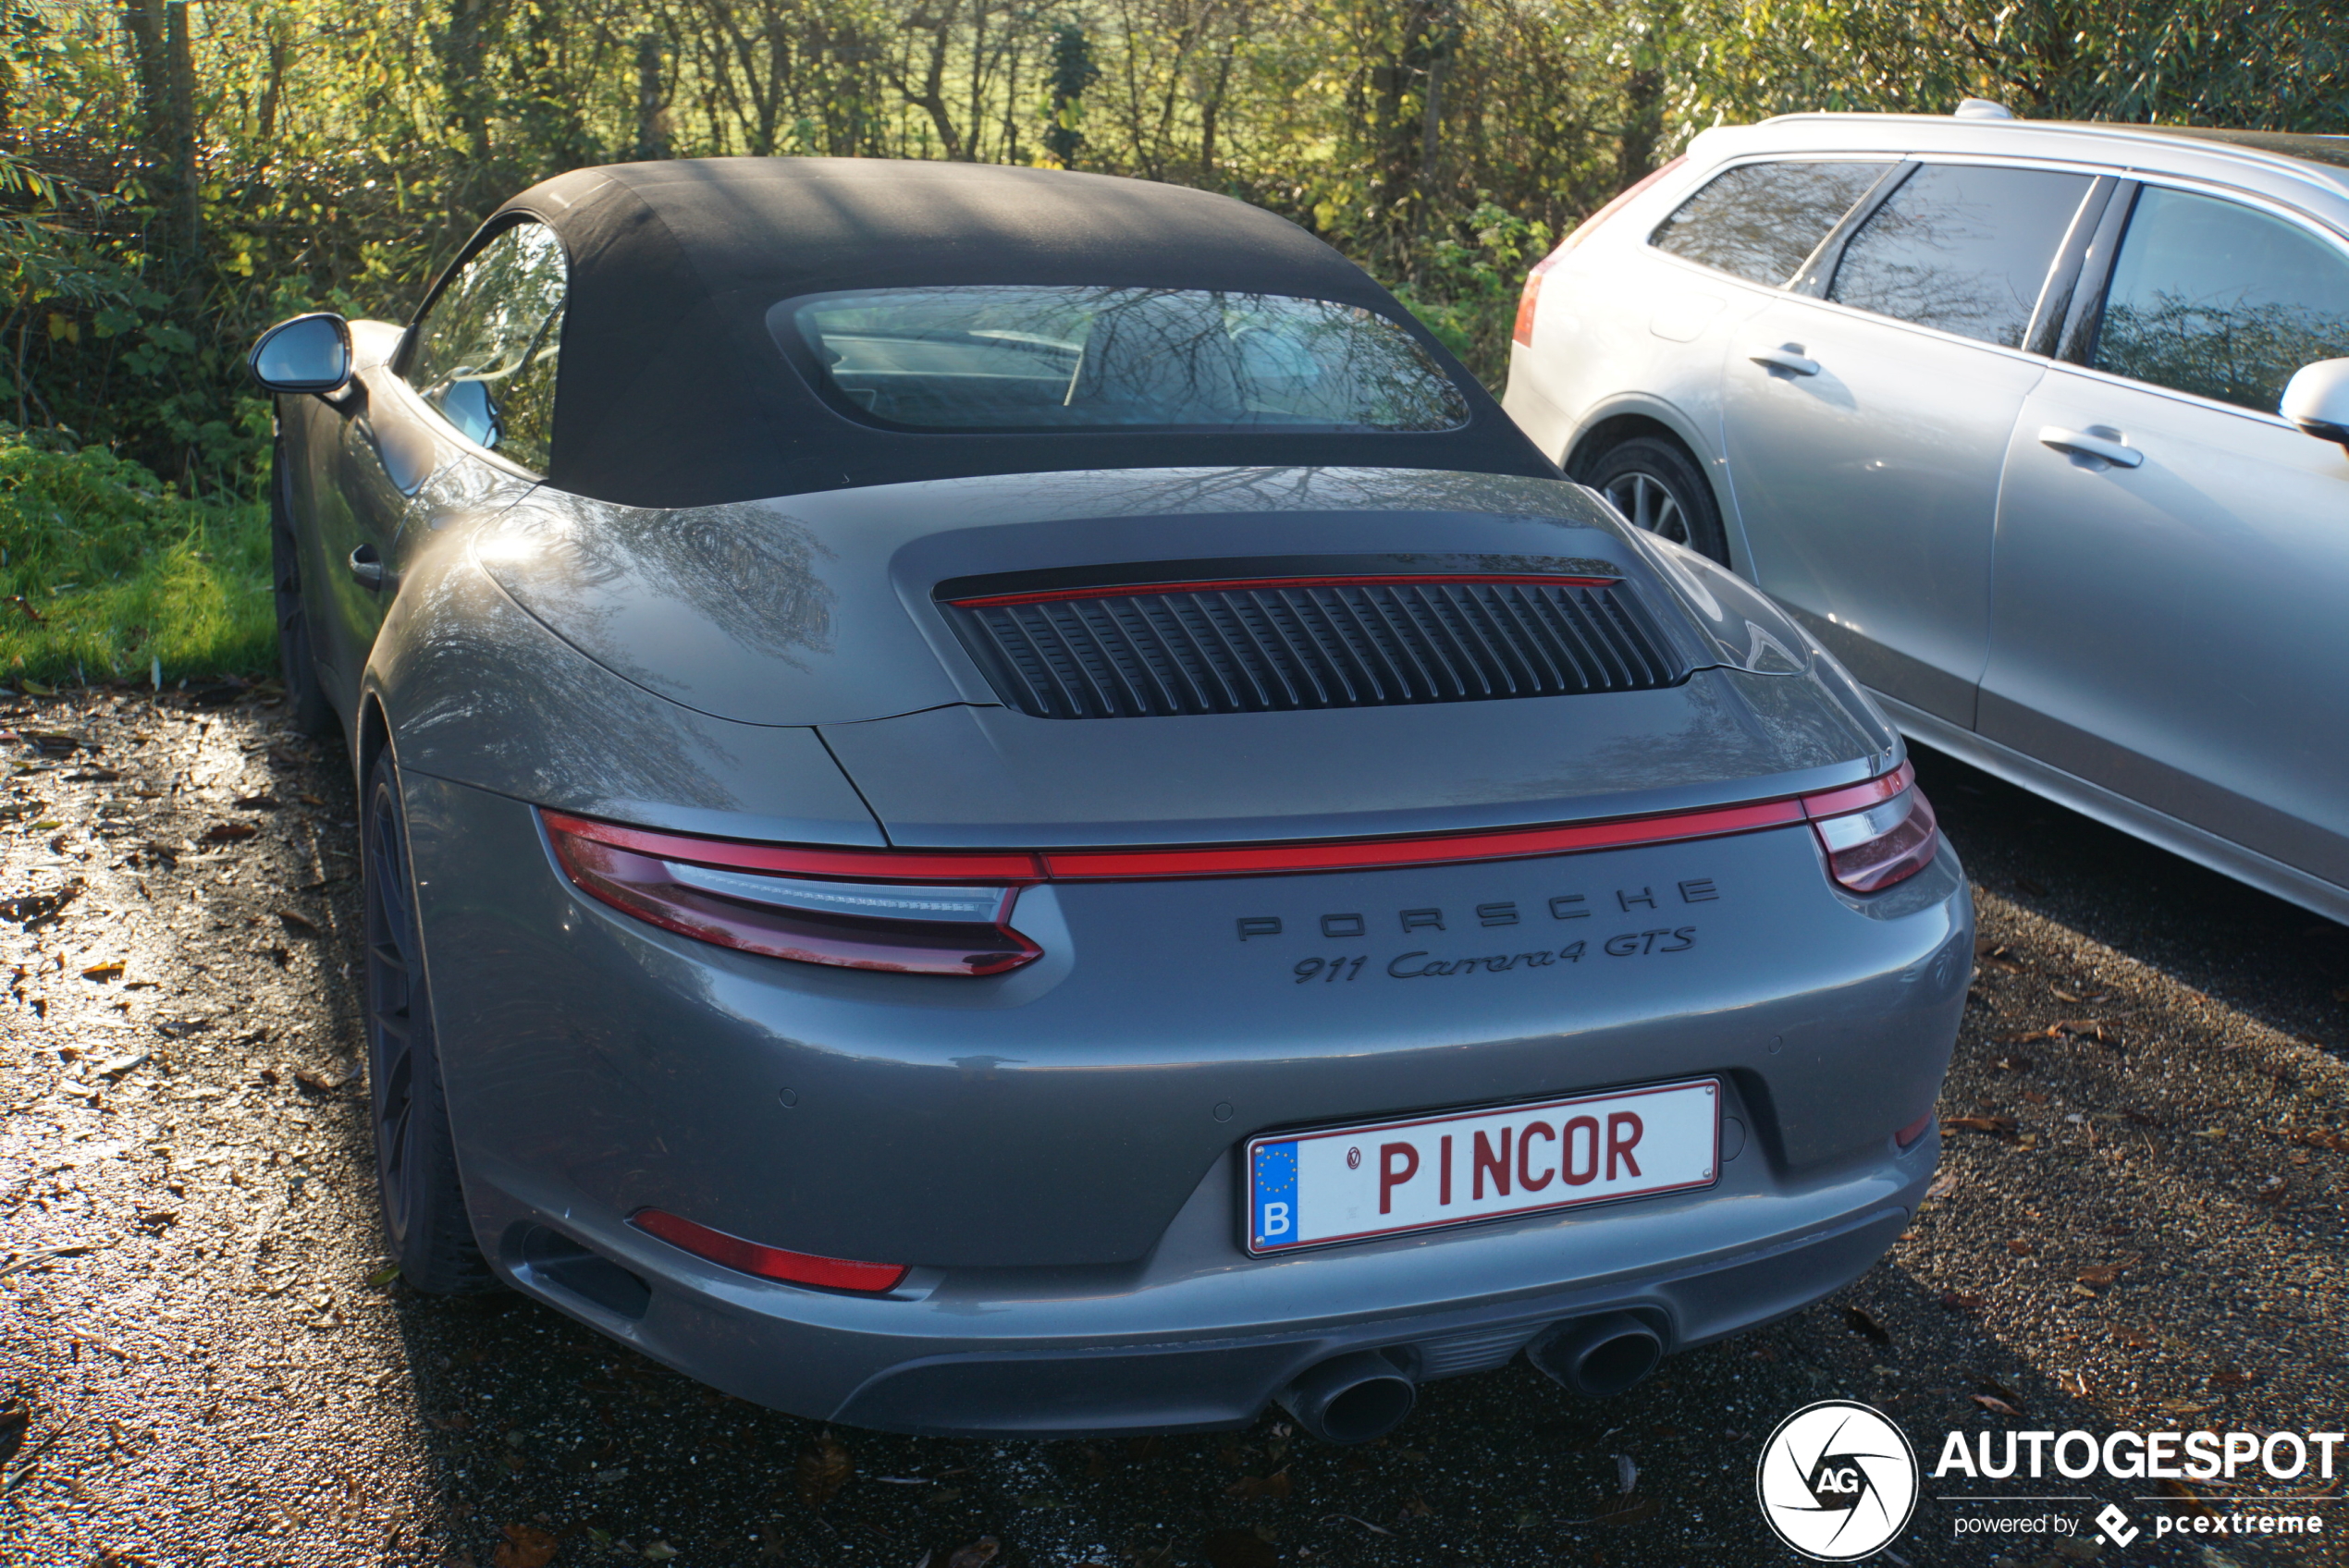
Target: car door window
(2211,296)
(484,353)
(1962,248)
(1761,222)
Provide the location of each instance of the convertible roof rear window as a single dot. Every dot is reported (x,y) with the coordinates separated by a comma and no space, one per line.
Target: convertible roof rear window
(1002,357)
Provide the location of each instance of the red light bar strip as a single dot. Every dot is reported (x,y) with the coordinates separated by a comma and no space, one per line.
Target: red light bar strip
(1365,854)
(1236,860)
(1132,590)
(1860,797)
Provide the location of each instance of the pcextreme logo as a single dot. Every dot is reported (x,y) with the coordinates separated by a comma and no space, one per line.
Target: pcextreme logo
(1837,1480)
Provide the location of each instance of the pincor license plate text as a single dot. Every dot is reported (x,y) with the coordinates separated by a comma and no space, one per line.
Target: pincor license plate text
(1379,1179)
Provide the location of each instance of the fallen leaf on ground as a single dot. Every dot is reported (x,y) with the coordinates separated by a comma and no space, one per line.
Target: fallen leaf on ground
(2229,1379)
(1622,1511)
(1961,1301)
(2182,1407)
(110,970)
(2021,1247)
(1995,1405)
(2072,1383)
(296,921)
(1999,1126)
(2099,1274)
(383,1276)
(1250,1487)
(525,1547)
(658,1551)
(2012,1065)
(2184,1493)
(1860,1321)
(981,1553)
(821,1471)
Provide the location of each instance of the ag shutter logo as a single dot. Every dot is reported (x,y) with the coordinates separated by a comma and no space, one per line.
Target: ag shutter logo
(1837,1481)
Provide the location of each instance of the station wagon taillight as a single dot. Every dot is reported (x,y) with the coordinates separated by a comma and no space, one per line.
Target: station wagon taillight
(763,898)
(1530,299)
(1875,834)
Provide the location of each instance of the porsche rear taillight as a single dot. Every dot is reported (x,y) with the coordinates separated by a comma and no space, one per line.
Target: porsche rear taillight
(1530,299)
(738,896)
(1875,834)
(768,1263)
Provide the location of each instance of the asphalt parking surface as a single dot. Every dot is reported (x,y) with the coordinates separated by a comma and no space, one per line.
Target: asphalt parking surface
(202,1362)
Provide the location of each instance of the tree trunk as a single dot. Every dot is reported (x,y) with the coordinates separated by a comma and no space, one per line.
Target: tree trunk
(166,65)
(652,120)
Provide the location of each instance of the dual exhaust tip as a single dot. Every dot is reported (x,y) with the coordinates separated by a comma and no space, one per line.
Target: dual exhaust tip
(1366,1393)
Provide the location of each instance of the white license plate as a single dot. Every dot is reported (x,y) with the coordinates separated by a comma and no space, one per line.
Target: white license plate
(1384,1178)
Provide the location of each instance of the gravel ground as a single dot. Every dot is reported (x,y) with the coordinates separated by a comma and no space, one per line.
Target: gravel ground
(2139,1225)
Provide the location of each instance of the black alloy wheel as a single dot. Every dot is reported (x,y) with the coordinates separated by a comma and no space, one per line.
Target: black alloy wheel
(424,1203)
(1658,486)
(305,698)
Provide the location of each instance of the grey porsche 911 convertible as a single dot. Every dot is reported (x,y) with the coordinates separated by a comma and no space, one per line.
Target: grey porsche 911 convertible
(1002,802)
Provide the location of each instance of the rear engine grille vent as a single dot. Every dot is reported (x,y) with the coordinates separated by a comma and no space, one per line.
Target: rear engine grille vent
(1281,646)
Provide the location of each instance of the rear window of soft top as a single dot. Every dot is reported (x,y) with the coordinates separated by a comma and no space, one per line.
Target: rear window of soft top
(1063,357)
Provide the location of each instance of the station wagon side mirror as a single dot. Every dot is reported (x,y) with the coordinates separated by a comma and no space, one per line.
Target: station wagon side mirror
(309,353)
(2316,399)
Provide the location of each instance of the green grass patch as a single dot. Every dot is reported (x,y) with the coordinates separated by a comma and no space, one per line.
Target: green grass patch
(106,571)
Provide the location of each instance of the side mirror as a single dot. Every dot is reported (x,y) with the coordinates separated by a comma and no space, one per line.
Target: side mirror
(309,353)
(2316,399)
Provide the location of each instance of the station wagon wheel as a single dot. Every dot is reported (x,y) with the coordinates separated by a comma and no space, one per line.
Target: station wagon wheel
(305,699)
(424,1207)
(1657,485)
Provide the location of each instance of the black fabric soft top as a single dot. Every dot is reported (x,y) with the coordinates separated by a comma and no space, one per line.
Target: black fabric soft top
(672,392)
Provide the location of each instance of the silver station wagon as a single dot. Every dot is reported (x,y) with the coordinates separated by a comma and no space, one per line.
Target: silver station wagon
(2039,427)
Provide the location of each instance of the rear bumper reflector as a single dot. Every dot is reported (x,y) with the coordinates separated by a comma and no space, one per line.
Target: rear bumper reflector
(768,1263)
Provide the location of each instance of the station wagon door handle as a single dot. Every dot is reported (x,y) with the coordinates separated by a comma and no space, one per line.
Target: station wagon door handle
(2088,445)
(1785,359)
(368,568)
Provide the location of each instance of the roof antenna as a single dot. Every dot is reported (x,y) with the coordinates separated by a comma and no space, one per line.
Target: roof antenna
(1982,109)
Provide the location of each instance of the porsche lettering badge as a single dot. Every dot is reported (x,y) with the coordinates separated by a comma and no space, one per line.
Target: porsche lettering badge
(1333,969)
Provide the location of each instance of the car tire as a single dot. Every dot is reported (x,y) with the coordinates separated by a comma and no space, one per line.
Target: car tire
(1657,485)
(306,696)
(425,1227)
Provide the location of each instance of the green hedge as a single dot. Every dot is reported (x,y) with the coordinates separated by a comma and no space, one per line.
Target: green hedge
(106,571)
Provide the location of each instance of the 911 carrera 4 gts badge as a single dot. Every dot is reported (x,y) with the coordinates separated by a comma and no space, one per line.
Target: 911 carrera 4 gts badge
(1508,911)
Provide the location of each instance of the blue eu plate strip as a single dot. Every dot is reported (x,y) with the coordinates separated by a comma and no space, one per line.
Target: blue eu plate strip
(1273,1195)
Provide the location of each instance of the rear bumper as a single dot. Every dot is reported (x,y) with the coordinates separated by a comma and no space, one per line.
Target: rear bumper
(1055,1154)
(1188,1348)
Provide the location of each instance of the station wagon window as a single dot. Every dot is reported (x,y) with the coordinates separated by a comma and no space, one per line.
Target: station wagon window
(1962,248)
(2214,298)
(1010,357)
(484,353)
(1761,222)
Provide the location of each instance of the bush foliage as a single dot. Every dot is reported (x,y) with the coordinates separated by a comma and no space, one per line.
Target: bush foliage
(174,177)
(106,571)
